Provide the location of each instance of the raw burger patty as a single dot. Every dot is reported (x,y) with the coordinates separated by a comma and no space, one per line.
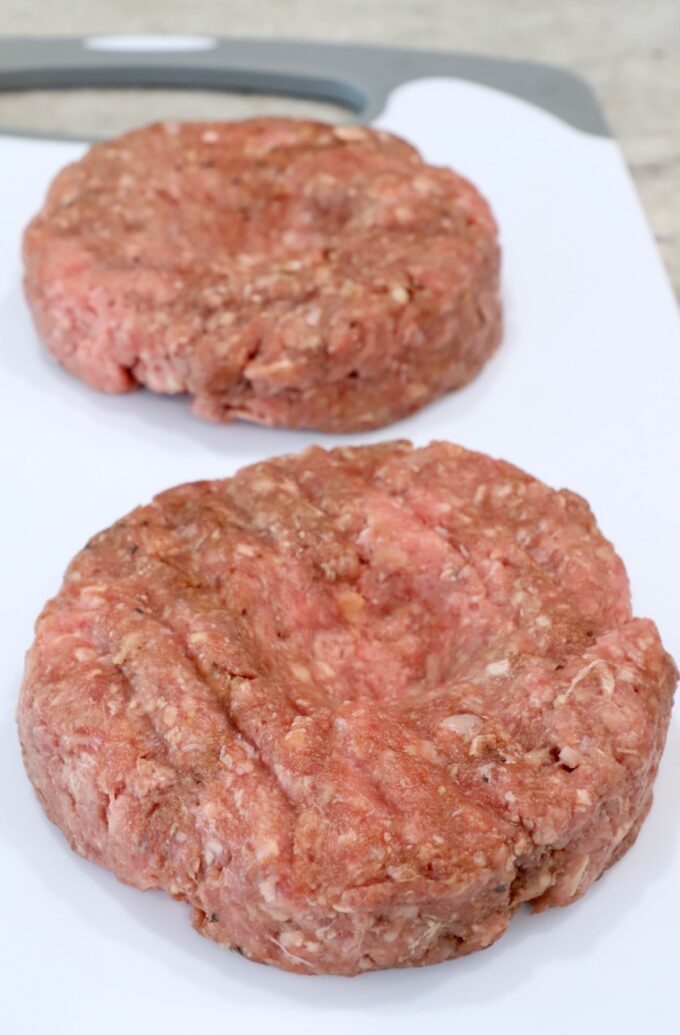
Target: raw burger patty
(281,271)
(353,706)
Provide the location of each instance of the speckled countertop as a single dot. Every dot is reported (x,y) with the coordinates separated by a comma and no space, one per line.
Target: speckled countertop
(628,50)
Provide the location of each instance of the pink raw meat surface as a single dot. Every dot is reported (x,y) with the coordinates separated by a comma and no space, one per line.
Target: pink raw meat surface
(355,707)
(285,272)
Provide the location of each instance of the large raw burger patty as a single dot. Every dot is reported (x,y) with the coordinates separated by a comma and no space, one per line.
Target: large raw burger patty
(353,706)
(281,271)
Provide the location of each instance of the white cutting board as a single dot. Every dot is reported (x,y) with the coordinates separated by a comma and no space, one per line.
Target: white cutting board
(584,393)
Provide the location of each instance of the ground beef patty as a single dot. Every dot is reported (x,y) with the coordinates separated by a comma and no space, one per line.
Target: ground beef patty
(353,706)
(281,271)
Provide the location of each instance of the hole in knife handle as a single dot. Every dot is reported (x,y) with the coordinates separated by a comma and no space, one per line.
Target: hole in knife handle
(90,114)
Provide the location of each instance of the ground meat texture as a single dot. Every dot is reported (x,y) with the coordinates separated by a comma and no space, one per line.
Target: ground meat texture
(285,272)
(355,707)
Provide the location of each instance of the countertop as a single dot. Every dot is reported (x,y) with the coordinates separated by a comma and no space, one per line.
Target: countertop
(629,52)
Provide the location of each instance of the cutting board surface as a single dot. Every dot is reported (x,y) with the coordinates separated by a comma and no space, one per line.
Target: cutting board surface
(584,393)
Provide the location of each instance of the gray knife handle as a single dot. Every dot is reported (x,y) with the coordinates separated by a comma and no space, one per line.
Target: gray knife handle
(354,76)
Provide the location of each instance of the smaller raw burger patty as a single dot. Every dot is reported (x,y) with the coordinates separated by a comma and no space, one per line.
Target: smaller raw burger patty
(355,707)
(280,271)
